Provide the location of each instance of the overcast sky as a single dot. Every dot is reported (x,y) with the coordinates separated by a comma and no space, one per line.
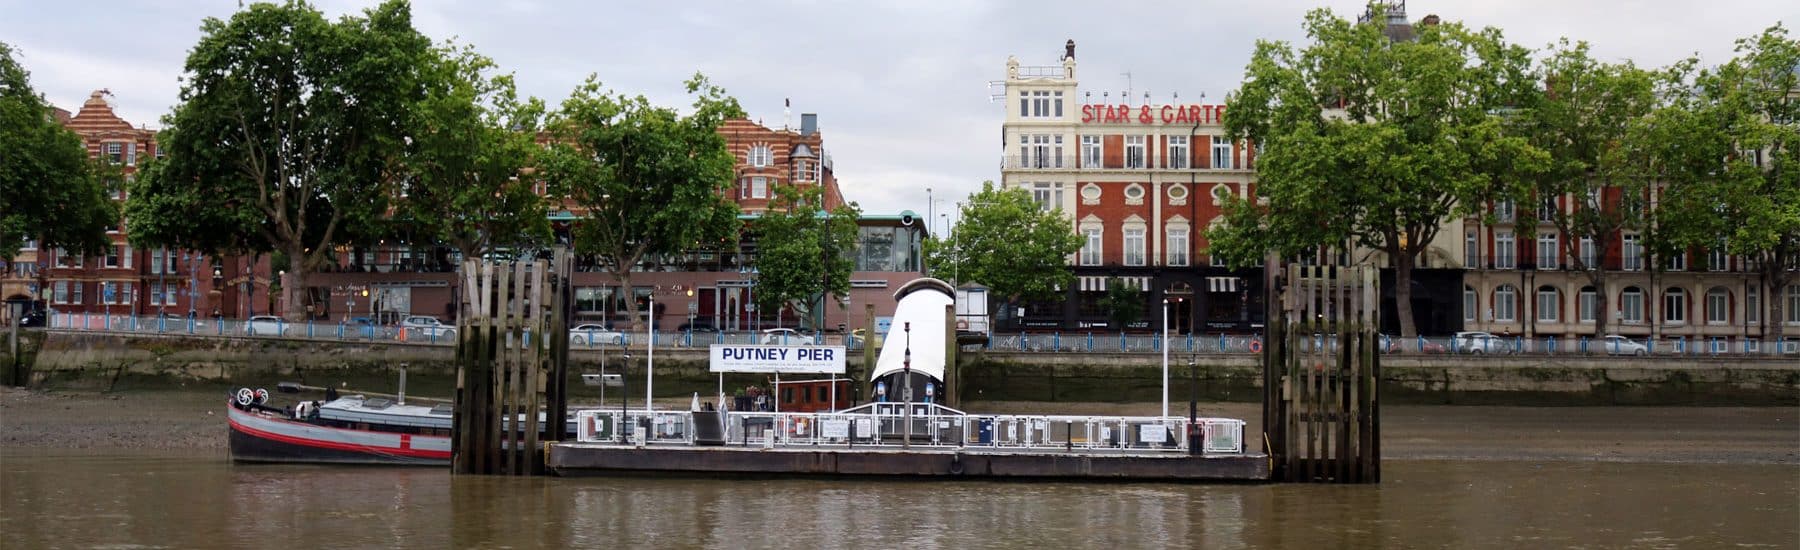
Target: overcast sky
(901,88)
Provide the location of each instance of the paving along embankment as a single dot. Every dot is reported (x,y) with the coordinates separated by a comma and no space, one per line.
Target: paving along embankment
(110,361)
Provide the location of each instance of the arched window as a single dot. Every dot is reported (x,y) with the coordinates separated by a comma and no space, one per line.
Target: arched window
(1549,304)
(1675,306)
(760,155)
(1506,304)
(1631,305)
(1587,305)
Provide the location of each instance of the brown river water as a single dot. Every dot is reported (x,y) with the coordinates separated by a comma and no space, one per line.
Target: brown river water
(148,498)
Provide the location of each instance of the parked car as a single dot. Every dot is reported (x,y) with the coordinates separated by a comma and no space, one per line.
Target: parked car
(425,328)
(174,323)
(267,325)
(33,318)
(368,329)
(698,325)
(1620,345)
(1477,342)
(583,335)
(787,337)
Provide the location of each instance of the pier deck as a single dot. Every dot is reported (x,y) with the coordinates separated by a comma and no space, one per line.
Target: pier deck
(573,459)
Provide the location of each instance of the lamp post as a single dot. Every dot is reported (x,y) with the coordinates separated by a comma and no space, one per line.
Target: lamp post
(906,386)
(1165,358)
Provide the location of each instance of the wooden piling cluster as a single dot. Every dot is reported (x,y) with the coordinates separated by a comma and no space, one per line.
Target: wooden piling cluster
(511,364)
(1320,368)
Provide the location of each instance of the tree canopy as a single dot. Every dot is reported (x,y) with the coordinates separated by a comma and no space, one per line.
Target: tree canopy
(803,252)
(49,189)
(1729,154)
(468,183)
(288,135)
(1584,121)
(1006,241)
(1372,142)
(652,180)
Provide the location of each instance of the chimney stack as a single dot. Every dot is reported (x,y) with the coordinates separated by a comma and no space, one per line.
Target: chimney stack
(809,123)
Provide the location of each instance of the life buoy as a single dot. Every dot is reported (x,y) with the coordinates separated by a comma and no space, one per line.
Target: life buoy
(262,396)
(1256,346)
(245,396)
(962,325)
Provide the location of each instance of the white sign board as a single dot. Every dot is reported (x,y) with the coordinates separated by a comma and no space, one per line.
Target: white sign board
(778,359)
(835,428)
(1152,433)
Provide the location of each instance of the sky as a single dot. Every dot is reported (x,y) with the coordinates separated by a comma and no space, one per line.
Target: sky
(902,89)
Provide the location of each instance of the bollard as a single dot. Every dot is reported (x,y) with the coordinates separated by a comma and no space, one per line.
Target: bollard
(1090,341)
(1056,341)
(1122,346)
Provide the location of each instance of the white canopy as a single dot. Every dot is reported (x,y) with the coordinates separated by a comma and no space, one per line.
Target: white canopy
(921,303)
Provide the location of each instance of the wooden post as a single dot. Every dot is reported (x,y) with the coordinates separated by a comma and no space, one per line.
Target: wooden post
(511,365)
(952,370)
(869,354)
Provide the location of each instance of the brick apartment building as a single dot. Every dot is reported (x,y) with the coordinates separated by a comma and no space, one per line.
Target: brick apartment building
(124,280)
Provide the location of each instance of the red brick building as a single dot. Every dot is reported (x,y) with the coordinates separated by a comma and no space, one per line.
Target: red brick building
(1141,182)
(124,280)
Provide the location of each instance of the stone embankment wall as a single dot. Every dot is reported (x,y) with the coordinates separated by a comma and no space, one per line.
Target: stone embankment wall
(97,361)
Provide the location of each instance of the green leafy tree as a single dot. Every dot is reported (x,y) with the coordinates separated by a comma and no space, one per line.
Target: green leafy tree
(49,189)
(652,180)
(1372,142)
(288,137)
(803,252)
(1005,241)
(1583,120)
(1729,156)
(469,184)
(1124,303)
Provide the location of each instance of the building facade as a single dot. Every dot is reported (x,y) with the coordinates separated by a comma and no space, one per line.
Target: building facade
(125,280)
(1532,280)
(1140,182)
(711,287)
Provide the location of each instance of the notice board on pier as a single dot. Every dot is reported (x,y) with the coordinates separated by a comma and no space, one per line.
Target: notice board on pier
(778,359)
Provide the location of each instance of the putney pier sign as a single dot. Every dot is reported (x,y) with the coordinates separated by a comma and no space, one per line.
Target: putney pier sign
(778,359)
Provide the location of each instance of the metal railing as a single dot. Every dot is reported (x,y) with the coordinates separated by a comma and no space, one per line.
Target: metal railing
(1039,342)
(884,425)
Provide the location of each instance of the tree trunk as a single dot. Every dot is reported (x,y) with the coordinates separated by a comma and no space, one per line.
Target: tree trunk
(1777,297)
(293,285)
(1602,299)
(1403,266)
(631,306)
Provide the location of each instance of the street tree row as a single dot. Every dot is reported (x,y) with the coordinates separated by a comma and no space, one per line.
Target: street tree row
(296,135)
(1372,143)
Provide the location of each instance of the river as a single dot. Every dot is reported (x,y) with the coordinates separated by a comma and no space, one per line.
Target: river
(72,498)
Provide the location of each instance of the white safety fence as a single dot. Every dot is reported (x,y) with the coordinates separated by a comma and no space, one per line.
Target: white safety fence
(932,426)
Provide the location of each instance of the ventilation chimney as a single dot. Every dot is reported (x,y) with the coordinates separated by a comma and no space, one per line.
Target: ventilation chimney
(809,123)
